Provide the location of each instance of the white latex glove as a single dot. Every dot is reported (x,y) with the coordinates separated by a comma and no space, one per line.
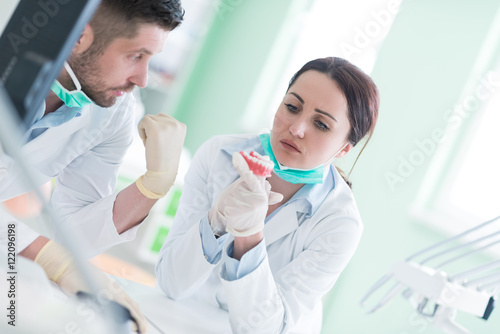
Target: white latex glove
(242,207)
(163,138)
(59,266)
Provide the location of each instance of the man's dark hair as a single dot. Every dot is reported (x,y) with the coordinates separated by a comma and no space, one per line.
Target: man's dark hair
(122,18)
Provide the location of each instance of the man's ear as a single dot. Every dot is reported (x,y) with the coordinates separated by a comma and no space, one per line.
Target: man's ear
(85,41)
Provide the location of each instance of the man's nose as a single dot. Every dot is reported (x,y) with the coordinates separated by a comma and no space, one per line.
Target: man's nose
(140,76)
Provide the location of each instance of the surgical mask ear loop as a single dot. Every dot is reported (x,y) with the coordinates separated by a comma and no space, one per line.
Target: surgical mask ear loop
(73,77)
(332,159)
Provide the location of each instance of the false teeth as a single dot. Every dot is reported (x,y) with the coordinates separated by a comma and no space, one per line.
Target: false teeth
(258,164)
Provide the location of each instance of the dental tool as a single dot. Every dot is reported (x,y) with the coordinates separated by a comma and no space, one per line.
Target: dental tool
(436,293)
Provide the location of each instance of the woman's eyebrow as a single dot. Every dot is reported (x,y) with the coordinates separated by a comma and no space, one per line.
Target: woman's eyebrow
(326,114)
(317,110)
(298,97)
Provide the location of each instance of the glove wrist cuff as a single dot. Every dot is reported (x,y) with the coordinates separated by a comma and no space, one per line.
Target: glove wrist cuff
(154,185)
(45,259)
(42,251)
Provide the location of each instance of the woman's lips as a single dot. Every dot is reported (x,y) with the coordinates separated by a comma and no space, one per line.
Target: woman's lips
(289,145)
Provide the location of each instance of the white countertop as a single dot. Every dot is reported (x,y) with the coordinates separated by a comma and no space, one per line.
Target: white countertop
(41,307)
(168,316)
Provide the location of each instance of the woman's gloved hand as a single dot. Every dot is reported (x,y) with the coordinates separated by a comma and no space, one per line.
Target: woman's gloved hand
(163,138)
(242,207)
(59,266)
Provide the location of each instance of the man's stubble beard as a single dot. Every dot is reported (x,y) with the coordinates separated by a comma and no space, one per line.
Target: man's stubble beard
(87,71)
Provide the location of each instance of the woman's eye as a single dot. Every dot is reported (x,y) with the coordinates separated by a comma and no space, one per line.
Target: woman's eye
(322,126)
(291,108)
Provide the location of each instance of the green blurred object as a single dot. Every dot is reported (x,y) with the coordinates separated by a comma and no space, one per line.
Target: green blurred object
(162,232)
(161,235)
(174,202)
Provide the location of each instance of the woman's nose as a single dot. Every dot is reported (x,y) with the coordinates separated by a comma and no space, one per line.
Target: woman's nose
(298,127)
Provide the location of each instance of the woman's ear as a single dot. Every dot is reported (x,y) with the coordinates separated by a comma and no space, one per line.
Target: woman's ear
(85,41)
(345,150)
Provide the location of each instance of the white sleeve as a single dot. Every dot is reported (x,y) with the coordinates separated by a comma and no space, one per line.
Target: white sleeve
(23,235)
(175,277)
(261,302)
(84,196)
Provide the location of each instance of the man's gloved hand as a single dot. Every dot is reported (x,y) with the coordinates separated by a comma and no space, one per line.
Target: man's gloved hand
(242,207)
(59,266)
(163,138)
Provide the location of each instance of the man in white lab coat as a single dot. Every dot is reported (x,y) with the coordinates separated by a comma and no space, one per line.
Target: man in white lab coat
(83,130)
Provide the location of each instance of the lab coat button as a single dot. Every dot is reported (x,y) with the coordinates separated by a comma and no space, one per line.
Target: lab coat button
(3,171)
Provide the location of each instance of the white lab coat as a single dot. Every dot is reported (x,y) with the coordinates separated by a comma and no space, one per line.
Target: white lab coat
(84,154)
(305,255)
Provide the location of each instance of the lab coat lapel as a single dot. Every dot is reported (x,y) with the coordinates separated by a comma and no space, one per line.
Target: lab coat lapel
(284,222)
(52,136)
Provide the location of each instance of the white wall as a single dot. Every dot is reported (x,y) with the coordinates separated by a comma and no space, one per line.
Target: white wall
(6,9)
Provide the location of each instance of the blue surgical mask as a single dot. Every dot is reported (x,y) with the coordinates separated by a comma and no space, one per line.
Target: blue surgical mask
(294,175)
(74,98)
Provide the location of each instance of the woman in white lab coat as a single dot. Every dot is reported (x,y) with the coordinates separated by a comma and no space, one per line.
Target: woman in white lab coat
(269,260)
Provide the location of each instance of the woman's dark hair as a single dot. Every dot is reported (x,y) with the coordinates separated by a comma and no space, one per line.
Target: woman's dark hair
(359,90)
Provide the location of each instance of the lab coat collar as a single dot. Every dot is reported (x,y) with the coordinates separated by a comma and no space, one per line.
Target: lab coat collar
(45,139)
(282,223)
(62,115)
(250,144)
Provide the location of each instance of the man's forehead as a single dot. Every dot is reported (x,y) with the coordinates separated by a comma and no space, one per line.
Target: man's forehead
(149,39)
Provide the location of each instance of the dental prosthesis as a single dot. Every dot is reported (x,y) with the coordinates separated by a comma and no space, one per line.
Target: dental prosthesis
(260,165)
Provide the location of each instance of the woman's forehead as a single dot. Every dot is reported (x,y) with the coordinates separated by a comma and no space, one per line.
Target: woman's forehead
(318,90)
